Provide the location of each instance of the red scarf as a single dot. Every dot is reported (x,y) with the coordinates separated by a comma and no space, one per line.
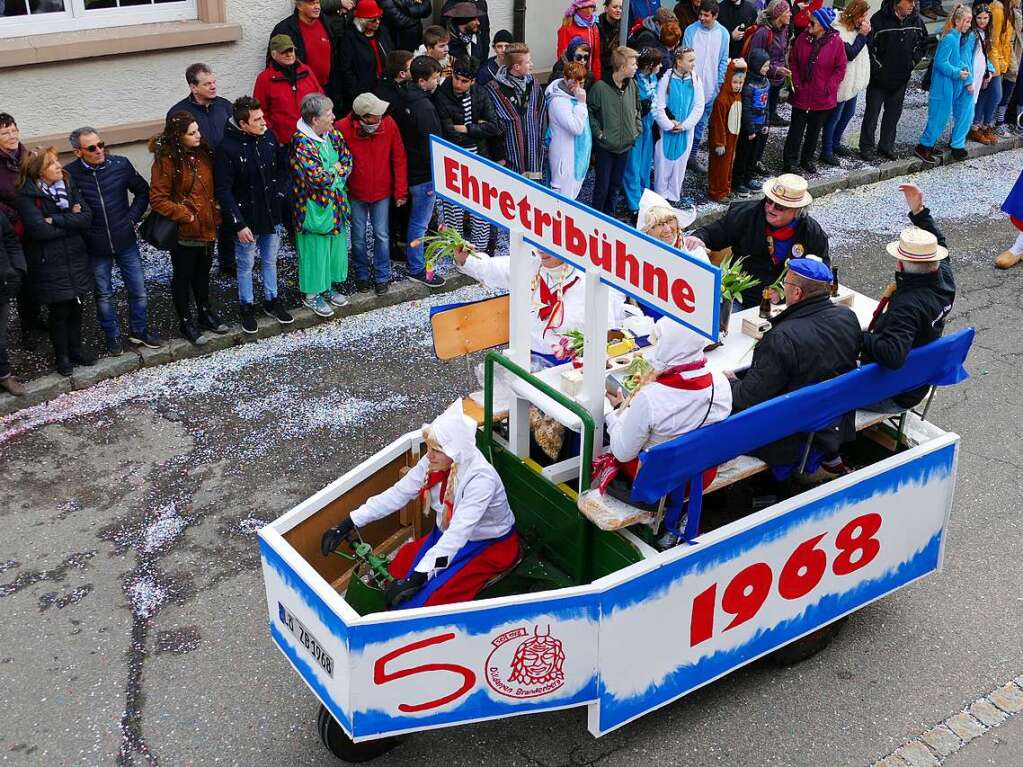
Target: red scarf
(672,376)
(376,55)
(779,242)
(434,478)
(552,308)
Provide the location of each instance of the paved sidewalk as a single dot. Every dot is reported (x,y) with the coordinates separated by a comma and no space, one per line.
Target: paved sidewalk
(1002,746)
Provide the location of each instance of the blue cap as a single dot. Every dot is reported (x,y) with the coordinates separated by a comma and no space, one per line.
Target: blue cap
(825,16)
(811,267)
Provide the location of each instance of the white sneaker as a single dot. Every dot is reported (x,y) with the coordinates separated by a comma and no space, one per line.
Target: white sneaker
(338,299)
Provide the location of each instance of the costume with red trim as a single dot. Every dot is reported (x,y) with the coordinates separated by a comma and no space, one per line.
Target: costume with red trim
(474,537)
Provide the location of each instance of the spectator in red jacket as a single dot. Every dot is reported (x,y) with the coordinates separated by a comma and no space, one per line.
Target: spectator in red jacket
(581,21)
(379,172)
(281,87)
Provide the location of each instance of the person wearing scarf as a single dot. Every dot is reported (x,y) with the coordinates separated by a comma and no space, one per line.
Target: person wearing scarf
(581,21)
(678,107)
(570,140)
(473,538)
(520,105)
(818,63)
(281,87)
(558,298)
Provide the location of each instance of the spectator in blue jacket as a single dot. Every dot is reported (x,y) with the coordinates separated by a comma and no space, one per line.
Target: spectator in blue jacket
(251,180)
(105,181)
(211,113)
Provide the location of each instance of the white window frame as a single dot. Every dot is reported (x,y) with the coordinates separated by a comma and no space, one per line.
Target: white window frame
(76,18)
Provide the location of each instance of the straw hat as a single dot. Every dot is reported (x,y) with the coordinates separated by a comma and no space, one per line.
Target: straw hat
(789,190)
(917,245)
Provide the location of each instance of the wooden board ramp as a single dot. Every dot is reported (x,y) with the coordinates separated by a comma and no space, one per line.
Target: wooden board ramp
(469,328)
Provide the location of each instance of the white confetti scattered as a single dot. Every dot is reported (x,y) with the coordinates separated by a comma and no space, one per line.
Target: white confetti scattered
(146,596)
(165,529)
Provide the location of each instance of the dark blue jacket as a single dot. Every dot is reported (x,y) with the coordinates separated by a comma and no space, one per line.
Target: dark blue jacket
(211,118)
(105,187)
(250,180)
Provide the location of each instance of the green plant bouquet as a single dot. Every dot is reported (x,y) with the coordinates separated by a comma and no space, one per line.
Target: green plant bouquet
(735,281)
(442,245)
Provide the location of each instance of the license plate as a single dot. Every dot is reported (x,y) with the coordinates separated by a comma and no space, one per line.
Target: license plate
(306,639)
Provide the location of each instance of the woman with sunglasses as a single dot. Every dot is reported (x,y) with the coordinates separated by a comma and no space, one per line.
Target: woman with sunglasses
(578,52)
(581,21)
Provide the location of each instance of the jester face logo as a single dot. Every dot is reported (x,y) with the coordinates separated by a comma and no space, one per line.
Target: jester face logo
(534,667)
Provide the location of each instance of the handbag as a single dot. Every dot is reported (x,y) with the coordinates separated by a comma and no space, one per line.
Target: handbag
(159,231)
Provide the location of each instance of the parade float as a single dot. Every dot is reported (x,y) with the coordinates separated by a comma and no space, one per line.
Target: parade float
(595,614)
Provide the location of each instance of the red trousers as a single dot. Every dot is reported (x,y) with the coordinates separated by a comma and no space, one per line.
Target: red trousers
(470,580)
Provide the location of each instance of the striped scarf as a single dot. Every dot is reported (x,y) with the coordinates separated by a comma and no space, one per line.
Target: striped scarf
(57,193)
(523,138)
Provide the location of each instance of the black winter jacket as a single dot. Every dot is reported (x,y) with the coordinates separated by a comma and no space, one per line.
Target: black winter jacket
(812,341)
(12,261)
(743,229)
(56,253)
(336,26)
(731,15)
(459,47)
(211,118)
(486,131)
(897,46)
(404,21)
(105,187)
(357,66)
(915,315)
(250,180)
(609,33)
(419,121)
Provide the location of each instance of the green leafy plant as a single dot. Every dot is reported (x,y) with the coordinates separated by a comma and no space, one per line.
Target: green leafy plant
(638,368)
(576,341)
(734,280)
(442,245)
(779,284)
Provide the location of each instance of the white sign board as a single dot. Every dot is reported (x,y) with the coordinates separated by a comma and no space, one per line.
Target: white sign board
(670,281)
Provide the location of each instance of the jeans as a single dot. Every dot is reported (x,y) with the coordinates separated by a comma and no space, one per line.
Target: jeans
(891,100)
(835,125)
(190,277)
(5,362)
(379,213)
(129,261)
(987,102)
(245,252)
(801,141)
(610,171)
(421,200)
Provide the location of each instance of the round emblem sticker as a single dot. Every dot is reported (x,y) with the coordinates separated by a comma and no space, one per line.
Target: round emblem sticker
(798,250)
(527,667)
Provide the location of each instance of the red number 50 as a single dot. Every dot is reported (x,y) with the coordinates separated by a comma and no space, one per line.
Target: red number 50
(381,675)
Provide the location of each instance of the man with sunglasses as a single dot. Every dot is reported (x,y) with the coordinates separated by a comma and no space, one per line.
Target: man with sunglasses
(766,232)
(105,181)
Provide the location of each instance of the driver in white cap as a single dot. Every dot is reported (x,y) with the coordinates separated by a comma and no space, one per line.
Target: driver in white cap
(474,537)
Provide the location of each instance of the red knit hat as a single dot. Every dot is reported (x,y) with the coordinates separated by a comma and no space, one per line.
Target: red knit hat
(368,9)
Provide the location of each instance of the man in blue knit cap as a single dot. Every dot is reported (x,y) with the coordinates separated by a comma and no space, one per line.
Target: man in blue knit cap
(813,340)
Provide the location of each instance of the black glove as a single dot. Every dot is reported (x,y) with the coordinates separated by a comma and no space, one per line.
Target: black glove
(403,589)
(333,536)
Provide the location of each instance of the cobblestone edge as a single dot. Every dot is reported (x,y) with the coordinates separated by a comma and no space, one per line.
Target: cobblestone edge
(48,387)
(936,744)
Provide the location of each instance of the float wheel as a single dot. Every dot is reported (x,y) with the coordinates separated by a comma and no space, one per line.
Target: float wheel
(808,646)
(341,746)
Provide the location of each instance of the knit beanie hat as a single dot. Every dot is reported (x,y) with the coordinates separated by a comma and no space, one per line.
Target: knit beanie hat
(776,8)
(825,17)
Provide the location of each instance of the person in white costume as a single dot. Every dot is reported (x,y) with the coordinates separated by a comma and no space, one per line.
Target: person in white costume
(474,537)
(679,395)
(709,40)
(678,106)
(558,297)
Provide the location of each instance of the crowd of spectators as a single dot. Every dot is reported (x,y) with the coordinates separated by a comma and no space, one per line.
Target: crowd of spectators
(331,148)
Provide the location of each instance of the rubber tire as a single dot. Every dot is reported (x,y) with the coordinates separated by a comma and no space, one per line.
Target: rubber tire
(808,646)
(340,745)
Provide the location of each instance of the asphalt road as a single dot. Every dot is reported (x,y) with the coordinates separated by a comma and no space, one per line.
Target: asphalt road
(132,611)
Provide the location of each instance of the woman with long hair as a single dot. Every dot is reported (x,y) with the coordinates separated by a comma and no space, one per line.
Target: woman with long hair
(56,217)
(853,27)
(182,190)
(952,85)
(989,62)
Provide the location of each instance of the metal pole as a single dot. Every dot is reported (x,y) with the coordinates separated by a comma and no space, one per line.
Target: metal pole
(595,355)
(623,27)
(518,336)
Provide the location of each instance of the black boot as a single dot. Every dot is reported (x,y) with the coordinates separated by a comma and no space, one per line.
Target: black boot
(192,333)
(210,321)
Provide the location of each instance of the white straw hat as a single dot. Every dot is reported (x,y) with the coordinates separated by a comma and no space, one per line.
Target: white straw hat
(789,190)
(916,244)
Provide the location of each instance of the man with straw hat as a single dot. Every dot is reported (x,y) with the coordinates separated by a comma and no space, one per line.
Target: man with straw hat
(767,232)
(474,537)
(913,309)
(813,340)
